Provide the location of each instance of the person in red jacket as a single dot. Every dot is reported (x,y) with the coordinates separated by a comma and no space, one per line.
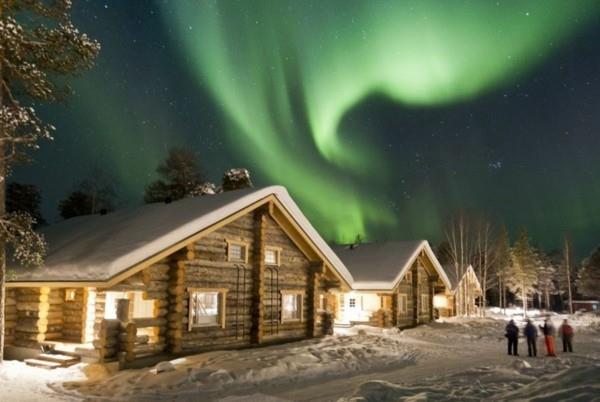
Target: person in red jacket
(566,333)
(548,331)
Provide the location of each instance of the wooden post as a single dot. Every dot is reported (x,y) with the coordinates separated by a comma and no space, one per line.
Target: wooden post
(415,294)
(312,298)
(175,308)
(127,333)
(258,273)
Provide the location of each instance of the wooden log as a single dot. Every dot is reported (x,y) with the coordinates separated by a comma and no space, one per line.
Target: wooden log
(149,349)
(150,322)
(31,306)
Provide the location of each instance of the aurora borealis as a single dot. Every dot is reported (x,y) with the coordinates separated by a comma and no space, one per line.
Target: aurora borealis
(380,117)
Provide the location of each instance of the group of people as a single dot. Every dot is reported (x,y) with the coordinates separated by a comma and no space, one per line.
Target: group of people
(531,333)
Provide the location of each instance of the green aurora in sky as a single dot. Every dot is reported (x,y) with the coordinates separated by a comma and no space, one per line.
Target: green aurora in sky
(286,70)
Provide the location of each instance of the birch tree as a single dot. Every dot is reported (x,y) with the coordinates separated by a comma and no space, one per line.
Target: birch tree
(38,44)
(502,262)
(460,237)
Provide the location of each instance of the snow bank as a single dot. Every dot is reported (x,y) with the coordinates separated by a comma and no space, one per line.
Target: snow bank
(211,373)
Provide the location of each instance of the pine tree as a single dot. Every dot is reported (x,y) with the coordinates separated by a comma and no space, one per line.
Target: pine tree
(588,280)
(180,177)
(24,198)
(38,43)
(92,195)
(521,276)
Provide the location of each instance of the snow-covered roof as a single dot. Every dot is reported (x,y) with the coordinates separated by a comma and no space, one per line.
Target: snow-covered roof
(454,281)
(95,248)
(380,266)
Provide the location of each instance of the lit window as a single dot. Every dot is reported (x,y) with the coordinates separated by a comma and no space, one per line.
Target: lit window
(141,308)
(271,256)
(291,307)
(206,308)
(352,303)
(138,306)
(424,303)
(402,303)
(70,294)
(237,252)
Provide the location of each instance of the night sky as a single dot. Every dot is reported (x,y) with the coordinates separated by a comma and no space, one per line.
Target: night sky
(381,118)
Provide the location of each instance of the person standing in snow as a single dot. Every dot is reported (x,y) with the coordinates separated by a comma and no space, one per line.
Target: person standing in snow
(512,333)
(566,333)
(531,334)
(548,331)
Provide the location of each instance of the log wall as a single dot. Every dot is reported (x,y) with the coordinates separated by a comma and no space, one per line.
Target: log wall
(209,269)
(10,316)
(39,315)
(291,275)
(74,317)
(424,291)
(406,318)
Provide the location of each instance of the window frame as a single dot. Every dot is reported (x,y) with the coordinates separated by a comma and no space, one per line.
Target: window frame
(408,276)
(297,293)
(245,248)
(404,310)
(424,306)
(221,307)
(277,251)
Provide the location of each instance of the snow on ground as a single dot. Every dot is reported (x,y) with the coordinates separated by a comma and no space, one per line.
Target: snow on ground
(23,383)
(212,373)
(452,359)
(558,380)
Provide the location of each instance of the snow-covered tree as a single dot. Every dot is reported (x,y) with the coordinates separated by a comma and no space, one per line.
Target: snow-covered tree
(566,274)
(521,276)
(546,278)
(502,264)
(180,177)
(588,279)
(236,179)
(38,44)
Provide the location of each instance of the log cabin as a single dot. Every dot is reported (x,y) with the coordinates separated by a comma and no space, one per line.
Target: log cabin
(394,284)
(231,270)
(460,299)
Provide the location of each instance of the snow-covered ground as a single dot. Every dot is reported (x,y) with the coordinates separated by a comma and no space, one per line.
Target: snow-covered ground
(455,359)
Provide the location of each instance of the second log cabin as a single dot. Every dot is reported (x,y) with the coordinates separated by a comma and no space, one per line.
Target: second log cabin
(395,283)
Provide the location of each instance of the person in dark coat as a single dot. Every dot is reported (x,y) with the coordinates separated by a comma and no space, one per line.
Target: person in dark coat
(548,331)
(512,333)
(566,333)
(531,334)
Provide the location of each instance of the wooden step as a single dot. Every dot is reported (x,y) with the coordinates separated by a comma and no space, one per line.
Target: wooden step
(42,363)
(63,360)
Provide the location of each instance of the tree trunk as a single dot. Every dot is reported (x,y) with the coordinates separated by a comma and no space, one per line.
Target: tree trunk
(524,296)
(568,268)
(2,212)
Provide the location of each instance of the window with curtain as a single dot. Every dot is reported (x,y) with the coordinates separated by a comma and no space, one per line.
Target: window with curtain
(291,307)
